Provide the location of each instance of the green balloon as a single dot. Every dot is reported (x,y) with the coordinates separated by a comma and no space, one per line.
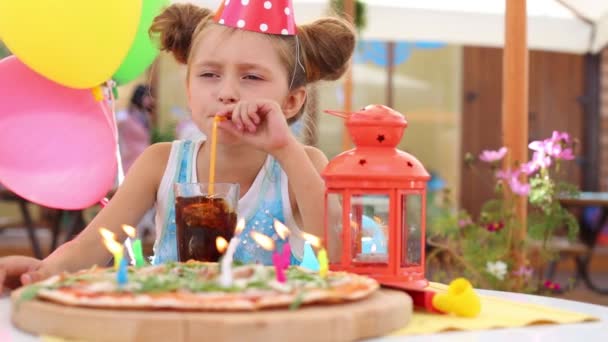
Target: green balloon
(143,51)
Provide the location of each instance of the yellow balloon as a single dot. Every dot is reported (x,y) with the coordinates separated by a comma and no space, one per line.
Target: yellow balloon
(77,43)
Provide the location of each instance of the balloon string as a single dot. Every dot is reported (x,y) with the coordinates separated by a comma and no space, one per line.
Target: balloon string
(120,172)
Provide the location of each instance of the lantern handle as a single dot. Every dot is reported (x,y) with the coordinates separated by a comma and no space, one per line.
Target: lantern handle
(342,115)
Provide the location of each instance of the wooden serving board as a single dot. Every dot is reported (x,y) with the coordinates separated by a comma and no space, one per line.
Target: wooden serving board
(381,313)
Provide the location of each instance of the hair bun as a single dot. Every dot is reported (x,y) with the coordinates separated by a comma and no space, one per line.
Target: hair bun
(175,27)
(328,45)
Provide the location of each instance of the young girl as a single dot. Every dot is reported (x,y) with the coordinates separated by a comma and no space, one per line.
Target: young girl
(258,81)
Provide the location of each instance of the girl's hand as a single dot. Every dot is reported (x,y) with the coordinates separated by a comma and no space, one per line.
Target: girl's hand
(20,270)
(260,123)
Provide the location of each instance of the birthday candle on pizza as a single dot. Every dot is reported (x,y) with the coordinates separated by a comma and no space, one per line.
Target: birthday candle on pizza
(120,263)
(122,275)
(309,260)
(282,259)
(226,263)
(278,259)
(323,263)
(109,240)
(134,247)
(282,232)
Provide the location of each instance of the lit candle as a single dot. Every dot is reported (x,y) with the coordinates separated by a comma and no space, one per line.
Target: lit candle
(216,120)
(309,260)
(120,264)
(225,279)
(282,259)
(283,233)
(281,229)
(129,247)
(264,241)
(122,275)
(226,263)
(323,263)
(281,262)
(109,240)
(134,248)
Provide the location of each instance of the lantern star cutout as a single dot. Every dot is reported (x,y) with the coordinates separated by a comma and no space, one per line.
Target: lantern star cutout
(380,138)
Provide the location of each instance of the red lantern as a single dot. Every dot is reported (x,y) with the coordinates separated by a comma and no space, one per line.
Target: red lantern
(375,202)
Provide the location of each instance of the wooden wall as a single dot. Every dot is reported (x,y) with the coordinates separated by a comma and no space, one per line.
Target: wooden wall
(556,89)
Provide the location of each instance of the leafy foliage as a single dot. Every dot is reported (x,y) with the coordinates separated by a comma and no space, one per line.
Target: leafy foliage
(483,248)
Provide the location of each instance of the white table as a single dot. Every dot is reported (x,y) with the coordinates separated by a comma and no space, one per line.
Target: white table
(587,332)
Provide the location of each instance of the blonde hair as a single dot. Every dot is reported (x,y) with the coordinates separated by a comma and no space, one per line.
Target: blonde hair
(325,46)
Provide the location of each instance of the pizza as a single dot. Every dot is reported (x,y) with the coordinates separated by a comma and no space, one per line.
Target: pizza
(195,286)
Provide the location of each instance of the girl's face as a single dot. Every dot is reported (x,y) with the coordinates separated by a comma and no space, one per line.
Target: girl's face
(228,67)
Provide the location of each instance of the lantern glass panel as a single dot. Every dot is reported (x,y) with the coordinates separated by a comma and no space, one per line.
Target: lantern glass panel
(334,222)
(411,230)
(369,217)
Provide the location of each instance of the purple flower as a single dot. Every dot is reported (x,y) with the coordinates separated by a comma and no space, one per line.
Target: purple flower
(529,167)
(541,159)
(554,147)
(537,145)
(462,223)
(565,154)
(519,188)
(559,137)
(524,272)
(506,174)
(511,177)
(490,156)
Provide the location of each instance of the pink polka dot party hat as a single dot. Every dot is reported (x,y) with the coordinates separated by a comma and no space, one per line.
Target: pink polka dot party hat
(264,16)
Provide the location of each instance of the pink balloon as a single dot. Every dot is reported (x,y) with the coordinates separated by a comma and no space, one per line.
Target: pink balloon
(57,148)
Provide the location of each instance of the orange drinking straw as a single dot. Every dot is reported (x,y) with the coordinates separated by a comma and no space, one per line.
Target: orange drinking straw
(216,119)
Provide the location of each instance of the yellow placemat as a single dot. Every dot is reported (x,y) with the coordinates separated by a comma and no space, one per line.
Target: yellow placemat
(495,313)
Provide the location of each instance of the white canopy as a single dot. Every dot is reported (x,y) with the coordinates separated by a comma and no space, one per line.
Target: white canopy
(577,26)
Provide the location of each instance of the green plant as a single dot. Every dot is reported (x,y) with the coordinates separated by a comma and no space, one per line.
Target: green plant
(482,248)
(360,12)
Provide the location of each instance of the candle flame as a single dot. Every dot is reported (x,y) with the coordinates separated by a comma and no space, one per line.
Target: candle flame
(129,230)
(106,234)
(372,249)
(109,241)
(221,244)
(240,225)
(263,240)
(312,239)
(281,229)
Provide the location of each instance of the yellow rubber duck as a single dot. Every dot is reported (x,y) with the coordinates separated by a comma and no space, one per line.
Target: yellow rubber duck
(460,300)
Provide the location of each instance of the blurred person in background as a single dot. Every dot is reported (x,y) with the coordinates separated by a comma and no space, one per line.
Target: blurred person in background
(135,125)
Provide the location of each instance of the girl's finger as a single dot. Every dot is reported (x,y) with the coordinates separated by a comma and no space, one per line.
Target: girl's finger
(266,107)
(236,117)
(253,114)
(246,109)
(230,127)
